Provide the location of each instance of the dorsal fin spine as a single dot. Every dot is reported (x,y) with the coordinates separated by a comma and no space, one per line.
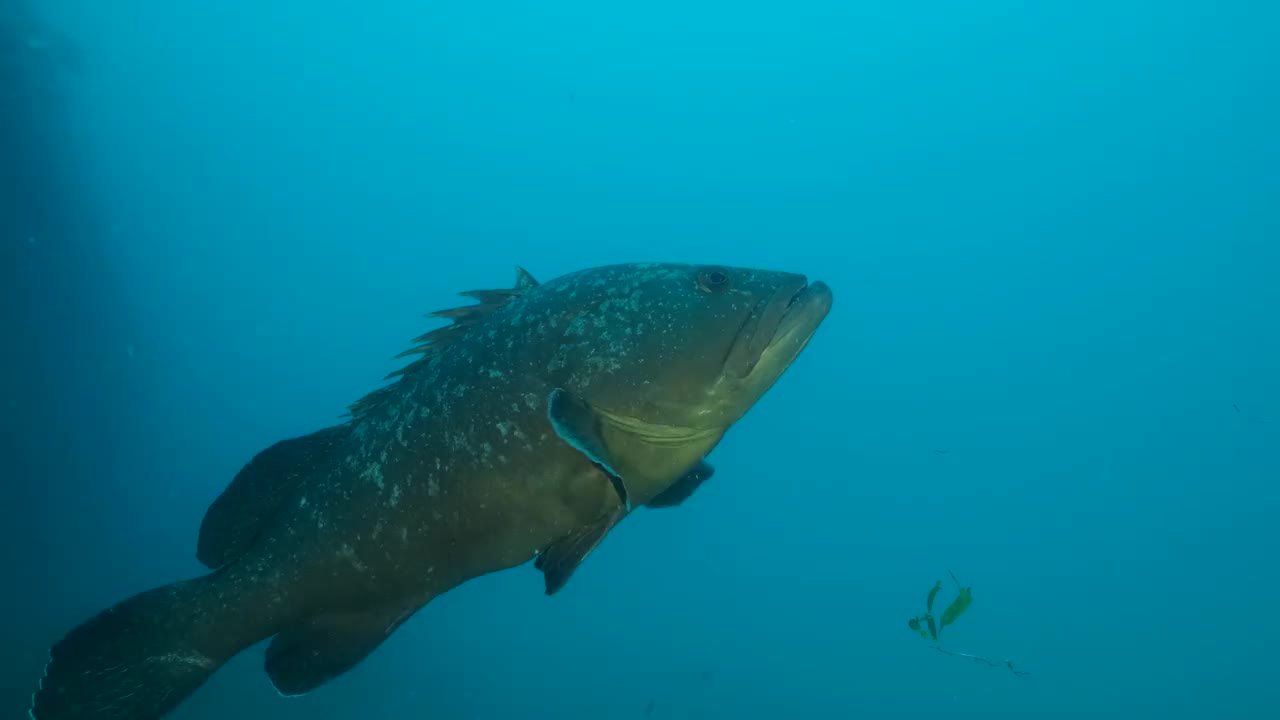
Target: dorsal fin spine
(433,342)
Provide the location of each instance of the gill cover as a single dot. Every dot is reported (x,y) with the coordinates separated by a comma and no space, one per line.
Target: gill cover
(642,459)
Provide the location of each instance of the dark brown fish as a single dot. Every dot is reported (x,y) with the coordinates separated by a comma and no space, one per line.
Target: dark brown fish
(529,427)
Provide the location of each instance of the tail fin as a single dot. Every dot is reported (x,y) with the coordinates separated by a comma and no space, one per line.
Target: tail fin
(141,657)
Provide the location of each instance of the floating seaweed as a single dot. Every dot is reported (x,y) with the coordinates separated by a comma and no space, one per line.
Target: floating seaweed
(957,607)
(929,629)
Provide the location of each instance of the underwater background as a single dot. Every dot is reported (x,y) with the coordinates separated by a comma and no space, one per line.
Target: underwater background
(1052,230)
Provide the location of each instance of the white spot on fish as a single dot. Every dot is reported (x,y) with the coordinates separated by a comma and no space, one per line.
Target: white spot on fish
(188,657)
(346,552)
(374,472)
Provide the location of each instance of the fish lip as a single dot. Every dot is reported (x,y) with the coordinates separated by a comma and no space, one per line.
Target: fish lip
(816,295)
(778,306)
(808,299)
(806,309)
(765,325)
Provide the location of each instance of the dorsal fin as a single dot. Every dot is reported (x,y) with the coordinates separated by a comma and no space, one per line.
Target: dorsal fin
(234,519)
(524,280)
(434,342)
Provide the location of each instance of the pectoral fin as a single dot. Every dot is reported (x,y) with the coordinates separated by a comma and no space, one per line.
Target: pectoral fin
(578,424)
(681,489)
(564,556)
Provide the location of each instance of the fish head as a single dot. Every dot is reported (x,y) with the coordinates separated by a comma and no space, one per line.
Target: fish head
(693,347)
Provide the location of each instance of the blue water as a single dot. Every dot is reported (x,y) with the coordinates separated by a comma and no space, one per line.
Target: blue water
(1053,234)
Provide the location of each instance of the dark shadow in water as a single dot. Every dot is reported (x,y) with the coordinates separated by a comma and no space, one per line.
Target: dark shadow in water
(64,380)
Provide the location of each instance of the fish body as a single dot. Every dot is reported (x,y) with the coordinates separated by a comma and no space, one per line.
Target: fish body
(526,430)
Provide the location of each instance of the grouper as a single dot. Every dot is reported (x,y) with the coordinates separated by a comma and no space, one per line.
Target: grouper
(526,429)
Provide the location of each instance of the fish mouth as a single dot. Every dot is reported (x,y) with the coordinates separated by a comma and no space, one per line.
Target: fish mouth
(780,327)
(805,311)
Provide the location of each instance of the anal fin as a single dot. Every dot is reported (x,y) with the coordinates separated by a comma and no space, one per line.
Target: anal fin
(563,556)
(311,653)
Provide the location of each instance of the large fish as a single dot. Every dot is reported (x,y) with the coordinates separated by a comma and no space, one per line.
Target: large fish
(528,428)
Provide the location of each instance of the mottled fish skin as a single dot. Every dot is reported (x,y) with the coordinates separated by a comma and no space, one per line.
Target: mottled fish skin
(457,469)
(458,473)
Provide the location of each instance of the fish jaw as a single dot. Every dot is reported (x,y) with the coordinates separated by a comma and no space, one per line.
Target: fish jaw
(804,312)
(789,321)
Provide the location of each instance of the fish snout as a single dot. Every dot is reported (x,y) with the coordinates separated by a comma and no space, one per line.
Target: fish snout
(819,295)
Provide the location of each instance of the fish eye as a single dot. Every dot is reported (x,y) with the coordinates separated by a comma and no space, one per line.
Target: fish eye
(713,280)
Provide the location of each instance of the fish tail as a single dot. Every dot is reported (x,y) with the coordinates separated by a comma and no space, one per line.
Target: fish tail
(141,657)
